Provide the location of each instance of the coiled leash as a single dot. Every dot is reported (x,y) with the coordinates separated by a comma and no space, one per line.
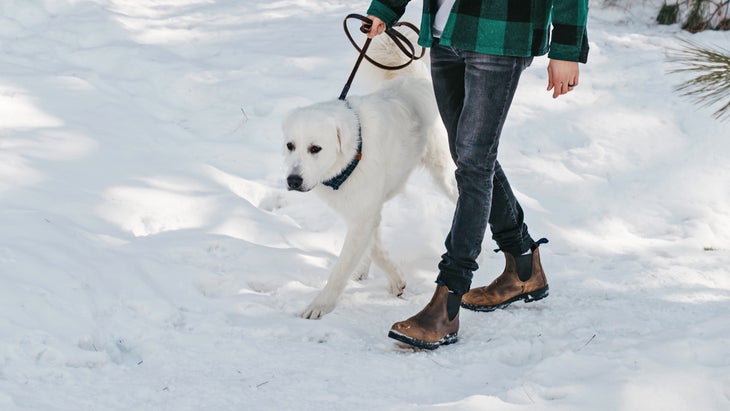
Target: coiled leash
(398,38)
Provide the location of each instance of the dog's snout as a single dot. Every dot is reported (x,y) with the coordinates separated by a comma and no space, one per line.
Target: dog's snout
(294,182)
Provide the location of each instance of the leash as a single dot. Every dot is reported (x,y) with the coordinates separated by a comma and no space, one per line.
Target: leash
(398,38)
(404,45)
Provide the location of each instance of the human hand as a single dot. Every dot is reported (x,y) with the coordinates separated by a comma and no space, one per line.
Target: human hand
(374,29)
(562,76)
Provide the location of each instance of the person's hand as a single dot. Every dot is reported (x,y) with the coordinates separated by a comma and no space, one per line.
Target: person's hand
(376,28)
(562,76)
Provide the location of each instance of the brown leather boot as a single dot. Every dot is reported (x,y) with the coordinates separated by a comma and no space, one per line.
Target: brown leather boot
(432,326)
(508,288)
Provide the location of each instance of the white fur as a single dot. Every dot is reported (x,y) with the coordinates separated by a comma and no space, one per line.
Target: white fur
(400,129)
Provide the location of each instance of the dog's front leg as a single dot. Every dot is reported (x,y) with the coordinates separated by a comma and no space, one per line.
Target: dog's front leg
(357,241)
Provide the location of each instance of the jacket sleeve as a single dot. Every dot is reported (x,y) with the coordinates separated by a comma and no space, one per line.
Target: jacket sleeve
(569,40)
(388,10)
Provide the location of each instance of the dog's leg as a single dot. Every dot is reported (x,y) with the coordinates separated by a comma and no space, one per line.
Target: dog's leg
(363,269)
(358,239)
(396,281)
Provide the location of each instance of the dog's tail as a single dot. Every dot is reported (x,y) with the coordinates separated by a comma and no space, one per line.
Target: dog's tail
(383,50)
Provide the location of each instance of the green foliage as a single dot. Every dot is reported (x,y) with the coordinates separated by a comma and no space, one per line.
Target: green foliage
(697,15)
(668,14)
(711,84)
(696,21)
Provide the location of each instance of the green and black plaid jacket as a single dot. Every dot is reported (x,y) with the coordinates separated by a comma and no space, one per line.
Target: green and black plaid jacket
(503,27)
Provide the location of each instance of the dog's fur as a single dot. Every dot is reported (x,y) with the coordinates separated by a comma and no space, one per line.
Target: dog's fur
(400,128)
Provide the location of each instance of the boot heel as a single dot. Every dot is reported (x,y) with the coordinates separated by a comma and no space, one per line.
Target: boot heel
(537,294)
(450,339)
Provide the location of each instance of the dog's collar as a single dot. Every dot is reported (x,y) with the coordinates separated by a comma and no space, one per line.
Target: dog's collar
(336,181)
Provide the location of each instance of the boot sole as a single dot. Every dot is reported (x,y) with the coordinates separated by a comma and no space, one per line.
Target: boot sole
(448,339)
(527,297)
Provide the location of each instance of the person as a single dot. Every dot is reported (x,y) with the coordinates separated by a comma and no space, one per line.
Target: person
(479,48)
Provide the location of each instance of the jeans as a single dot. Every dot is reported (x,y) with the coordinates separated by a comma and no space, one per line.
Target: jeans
(474,92)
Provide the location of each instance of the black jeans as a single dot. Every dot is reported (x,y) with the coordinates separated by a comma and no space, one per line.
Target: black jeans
(474,92)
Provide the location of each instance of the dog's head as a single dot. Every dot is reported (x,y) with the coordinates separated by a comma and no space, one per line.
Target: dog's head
(313,142)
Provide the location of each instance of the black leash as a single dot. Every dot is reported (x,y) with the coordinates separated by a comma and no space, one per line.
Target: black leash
(398,38)
(404,45)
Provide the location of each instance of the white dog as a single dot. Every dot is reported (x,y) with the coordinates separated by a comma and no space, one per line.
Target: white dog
(358,154)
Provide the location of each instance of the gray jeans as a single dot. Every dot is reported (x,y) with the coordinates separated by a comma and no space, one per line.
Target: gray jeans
(474,92)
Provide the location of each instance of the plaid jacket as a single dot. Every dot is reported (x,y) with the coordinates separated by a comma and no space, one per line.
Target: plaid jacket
(503,27)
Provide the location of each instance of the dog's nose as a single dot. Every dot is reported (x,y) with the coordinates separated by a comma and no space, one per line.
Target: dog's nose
(295,182)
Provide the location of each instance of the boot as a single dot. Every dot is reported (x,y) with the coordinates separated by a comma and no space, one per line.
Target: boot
(508,288)
(437,324)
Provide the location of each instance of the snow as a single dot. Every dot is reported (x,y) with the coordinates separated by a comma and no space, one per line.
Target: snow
(151,259)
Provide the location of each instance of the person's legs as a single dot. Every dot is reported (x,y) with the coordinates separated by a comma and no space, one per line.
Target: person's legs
(474,124)
(473,92)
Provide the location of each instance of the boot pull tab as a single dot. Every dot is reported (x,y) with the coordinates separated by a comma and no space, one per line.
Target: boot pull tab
(532,247)
(538,242)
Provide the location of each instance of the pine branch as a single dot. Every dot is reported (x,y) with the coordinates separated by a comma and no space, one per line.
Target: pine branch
(711,84)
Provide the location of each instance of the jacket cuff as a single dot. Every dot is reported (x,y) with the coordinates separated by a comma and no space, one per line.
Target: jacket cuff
(570,51)
(383,12)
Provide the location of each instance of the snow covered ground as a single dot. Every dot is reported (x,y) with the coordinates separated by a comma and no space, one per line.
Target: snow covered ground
(150,258)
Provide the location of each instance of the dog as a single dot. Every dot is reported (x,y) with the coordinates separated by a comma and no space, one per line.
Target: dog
(357,154)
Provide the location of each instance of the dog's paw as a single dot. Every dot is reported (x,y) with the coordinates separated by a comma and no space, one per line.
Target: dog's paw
(317,309)
(397,287)
(363,270)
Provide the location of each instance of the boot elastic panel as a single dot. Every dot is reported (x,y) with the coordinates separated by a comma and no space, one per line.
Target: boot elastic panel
(524,266)
(453,302)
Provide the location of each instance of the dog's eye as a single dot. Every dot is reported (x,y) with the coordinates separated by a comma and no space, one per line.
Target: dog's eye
(314,149)
(290,146)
